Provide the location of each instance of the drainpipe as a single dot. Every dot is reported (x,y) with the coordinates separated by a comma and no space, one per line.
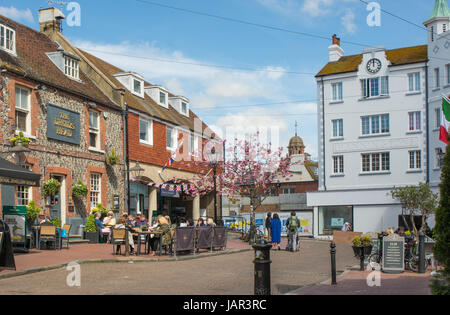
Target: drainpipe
(127,158)
(323,135)
(427,113)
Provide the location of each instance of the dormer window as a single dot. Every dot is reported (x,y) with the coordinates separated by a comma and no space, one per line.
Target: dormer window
(71,68)
(184,108)
(7,39)
(162,98)
(181,104)
(132,81)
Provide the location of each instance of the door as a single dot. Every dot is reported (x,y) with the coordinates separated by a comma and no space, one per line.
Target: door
(55,210)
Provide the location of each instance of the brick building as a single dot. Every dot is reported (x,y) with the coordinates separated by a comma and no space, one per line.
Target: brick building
(159,124)
(72,125)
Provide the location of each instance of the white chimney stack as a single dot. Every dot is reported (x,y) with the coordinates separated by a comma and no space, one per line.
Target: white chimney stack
(336,52)
(50,19)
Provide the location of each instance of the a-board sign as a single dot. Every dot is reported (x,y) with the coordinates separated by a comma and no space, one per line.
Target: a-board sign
(393,254)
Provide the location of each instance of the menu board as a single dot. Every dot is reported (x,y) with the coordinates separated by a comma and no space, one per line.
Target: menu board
(393,254)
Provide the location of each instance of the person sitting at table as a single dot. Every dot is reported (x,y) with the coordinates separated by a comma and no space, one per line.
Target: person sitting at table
(190,222)
(200,222)
(131,221)
(164,228)
(100,226)
(122,224)
(183,222)
(140,220)
(109,221)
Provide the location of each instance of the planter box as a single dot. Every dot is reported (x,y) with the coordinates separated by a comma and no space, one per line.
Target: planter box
(359,251)
(92,237)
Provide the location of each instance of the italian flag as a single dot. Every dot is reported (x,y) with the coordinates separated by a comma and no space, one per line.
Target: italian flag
(445,120)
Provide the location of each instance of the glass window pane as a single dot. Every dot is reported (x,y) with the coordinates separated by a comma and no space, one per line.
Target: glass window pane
(169,135)
(333,218)
(21,121)
(143,130)
(162,98)
(93,120)
(92,140)
(375,124)
(365,125)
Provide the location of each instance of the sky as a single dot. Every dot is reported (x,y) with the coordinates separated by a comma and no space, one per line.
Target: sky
(237,76)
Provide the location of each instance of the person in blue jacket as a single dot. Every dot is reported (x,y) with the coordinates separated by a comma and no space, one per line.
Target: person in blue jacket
(275,228)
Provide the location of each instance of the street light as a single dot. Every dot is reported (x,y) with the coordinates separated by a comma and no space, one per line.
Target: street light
(137,170)
(213,161)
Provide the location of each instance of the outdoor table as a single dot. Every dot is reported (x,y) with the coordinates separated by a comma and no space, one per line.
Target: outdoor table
(147,235)
(37,231)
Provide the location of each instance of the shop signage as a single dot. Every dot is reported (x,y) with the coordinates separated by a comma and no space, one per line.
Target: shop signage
(15,217)
(17,181)
(393,254)
(63,124)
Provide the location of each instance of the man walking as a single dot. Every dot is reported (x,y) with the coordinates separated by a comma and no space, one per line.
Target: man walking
(267,225)
(292,225)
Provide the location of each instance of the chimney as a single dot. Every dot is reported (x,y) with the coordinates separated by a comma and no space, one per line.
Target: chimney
(50,20)
(335,50)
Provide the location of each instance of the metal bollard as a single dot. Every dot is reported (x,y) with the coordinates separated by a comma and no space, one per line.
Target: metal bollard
(363,257)
(421,252)
(262,267)
(333,263)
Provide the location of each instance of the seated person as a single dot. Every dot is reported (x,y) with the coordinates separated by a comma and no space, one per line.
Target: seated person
(122,225)
(164,228)
(183,222)
(140,220)
(109,221)
(101,228)
(200,222)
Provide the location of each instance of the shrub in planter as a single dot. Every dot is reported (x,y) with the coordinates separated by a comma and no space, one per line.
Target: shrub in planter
(32,212)
(79,190)
(362,246)
(91,229)
(56,222)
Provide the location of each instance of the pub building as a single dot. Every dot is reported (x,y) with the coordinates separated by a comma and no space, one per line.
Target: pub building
(160,125)
(68,125)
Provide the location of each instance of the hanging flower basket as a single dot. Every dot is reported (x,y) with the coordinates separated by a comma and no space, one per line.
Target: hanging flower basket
(51,187)
(362,246)
(79,190)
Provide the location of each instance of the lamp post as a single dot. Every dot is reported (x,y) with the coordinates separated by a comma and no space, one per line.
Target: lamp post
(213,160)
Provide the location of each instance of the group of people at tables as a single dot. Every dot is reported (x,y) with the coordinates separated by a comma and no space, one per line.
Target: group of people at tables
(162,225)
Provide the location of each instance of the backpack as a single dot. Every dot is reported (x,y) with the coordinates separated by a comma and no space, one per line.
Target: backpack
(293,223)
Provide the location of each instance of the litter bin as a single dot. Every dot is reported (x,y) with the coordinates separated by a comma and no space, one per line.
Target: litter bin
(81,230)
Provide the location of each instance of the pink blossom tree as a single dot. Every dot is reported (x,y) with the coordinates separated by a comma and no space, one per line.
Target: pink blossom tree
(247,168)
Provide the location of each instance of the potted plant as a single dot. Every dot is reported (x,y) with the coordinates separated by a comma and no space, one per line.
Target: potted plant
(15,140)
(90,230)
(51,187)
(79,190)
(362,246)
(56,222)
(113,158)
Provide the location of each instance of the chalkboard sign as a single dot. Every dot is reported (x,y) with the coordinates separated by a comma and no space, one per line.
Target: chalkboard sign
(393,254)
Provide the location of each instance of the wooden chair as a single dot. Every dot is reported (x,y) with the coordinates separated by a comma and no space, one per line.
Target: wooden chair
(48,233)
(118,239)
(66,227)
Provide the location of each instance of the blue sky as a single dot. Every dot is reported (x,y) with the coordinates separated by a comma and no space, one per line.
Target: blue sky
(223,97)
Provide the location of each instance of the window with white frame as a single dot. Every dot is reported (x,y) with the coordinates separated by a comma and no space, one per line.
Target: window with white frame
(137,87)
(171,138)
(162,98)
(338,128)
(437,122)
(439,157)
(288,190)
(375,87)
(71,67)
(375,162)
(22,109)
(415,160)
(337,91)
(414,121)
(146,131)
(23,193)
(437,80)
(448,73)
(7,39)
(338,165)
(414,82)
(184,108)
(375,125)
(95,190)
(193,144)
(94,129)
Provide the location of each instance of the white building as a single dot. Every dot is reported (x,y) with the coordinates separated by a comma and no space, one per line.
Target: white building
(438,25)
(379,118)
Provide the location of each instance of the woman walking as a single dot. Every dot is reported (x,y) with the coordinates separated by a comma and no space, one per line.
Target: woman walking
(275,229)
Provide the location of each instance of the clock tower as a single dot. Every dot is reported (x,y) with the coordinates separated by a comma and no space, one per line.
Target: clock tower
(439,20)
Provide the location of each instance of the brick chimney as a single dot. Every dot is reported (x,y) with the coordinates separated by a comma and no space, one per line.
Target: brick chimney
(335,50)
(50,20)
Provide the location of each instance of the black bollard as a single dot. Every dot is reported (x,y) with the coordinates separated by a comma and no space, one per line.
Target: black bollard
(333,262)
(421,252)
(262,267)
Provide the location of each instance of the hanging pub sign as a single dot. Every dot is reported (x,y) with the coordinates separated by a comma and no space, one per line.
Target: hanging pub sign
(63,124)
(393,254)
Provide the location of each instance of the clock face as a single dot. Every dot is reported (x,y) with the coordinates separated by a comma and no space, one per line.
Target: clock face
(373,65)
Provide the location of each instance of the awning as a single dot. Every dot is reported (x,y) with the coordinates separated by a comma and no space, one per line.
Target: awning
(13,174)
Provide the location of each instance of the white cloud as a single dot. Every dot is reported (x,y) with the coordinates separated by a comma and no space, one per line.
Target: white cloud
(16,14)
(317,7)
(285,7)
(348,21)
